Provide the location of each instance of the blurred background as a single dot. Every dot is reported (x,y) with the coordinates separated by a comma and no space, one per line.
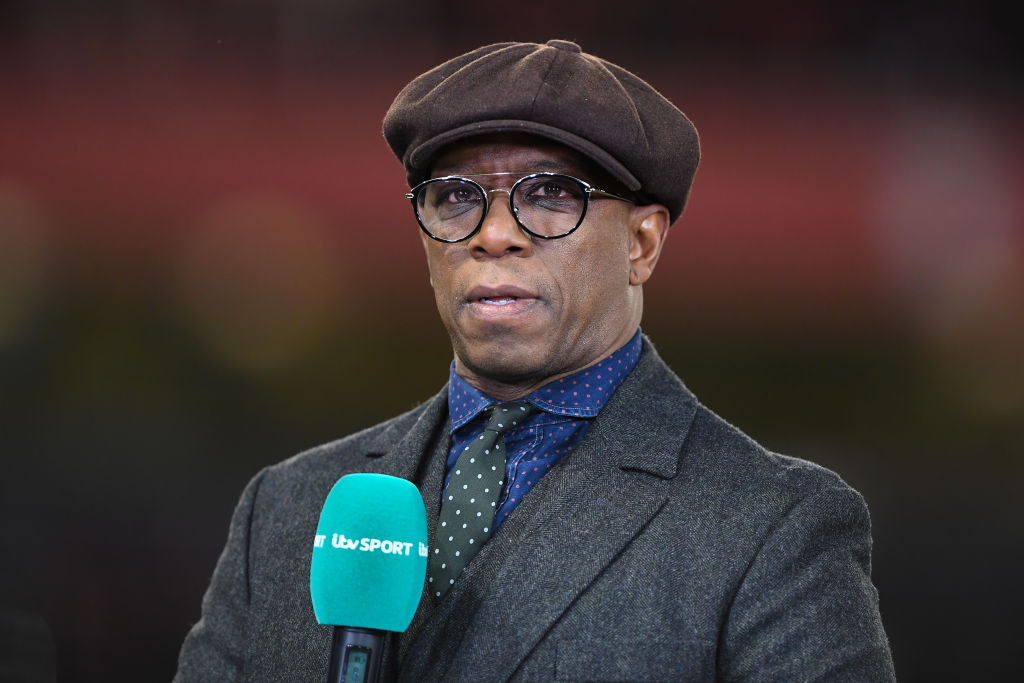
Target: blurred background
(207,265)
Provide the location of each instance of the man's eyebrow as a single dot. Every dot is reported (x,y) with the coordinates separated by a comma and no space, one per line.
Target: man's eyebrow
(540,165)
(553,165)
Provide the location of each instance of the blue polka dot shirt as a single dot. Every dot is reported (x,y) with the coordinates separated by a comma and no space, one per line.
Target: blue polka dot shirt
(567,407)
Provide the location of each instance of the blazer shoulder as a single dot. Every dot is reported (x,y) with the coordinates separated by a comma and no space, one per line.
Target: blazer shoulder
(728,461)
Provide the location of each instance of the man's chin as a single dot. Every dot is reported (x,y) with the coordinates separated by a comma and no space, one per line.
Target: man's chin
(504,363)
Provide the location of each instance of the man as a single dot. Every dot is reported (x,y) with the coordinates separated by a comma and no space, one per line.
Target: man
(633,535)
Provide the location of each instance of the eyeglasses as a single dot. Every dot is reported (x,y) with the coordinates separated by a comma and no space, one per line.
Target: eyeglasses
(545,205)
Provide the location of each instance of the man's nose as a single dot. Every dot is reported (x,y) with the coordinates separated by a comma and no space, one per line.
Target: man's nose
(500,234)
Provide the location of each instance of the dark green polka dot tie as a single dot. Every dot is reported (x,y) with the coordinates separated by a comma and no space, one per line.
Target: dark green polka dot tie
(469,504)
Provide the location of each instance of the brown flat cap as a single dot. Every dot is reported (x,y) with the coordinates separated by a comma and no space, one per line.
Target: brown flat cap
(558,92)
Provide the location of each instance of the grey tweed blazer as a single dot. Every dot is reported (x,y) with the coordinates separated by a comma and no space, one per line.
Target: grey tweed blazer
(667,547)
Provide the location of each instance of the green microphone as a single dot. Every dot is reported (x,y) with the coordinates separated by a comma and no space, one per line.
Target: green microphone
(369,564)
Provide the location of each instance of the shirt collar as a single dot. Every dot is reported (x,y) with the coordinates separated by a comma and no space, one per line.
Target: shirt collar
(581,394)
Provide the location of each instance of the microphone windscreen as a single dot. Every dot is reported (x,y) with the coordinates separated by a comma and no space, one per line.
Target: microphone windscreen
(370,553)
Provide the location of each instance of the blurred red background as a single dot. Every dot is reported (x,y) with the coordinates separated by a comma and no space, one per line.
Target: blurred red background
(206,261)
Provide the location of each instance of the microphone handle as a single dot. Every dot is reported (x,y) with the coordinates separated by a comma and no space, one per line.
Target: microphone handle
(355,655)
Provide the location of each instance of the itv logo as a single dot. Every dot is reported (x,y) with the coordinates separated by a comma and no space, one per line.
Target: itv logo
(369,545)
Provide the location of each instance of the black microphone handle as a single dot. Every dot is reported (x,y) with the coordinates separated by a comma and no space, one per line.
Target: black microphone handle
(355,655)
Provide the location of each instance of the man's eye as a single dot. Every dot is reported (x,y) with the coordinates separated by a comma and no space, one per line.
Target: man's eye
(451,195)
(459,195)
(552,190)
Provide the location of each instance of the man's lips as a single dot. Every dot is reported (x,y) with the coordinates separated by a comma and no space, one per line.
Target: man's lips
(499,300)
(498,294)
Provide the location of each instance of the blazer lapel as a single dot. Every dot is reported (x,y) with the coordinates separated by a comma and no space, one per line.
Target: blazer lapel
(563,535)
(403,451)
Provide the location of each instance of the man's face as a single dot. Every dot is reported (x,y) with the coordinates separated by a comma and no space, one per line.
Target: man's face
(521,310)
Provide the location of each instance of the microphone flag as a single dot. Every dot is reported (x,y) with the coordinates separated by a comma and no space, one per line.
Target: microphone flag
(369,553)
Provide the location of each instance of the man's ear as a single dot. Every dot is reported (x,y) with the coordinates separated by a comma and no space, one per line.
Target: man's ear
(648,229)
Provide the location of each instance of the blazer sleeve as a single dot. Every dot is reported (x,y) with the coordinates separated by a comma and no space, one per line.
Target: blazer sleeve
(806,609)
(214,649)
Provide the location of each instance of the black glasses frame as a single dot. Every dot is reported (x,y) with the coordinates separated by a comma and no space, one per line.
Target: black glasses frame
(588,189)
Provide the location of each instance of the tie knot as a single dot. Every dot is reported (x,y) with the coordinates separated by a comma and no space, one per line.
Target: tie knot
(505,416)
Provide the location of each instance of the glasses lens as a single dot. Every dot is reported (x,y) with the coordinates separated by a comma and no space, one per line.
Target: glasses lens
(550,204)
(449,208)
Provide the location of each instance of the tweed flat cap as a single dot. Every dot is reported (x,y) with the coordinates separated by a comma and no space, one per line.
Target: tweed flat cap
(560,93)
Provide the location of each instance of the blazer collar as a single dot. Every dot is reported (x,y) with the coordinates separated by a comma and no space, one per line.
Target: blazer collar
(647,419)
(401,450)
